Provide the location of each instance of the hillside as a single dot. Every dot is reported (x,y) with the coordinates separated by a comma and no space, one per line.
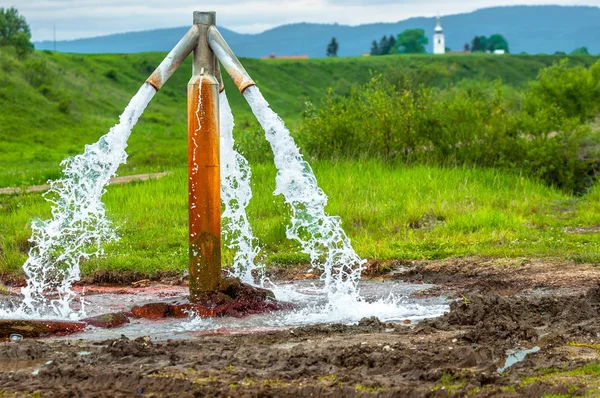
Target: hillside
(530,29)
(54,104)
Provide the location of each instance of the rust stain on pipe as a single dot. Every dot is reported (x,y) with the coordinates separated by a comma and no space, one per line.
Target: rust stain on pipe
(204,186)
(177,55)
(230,62)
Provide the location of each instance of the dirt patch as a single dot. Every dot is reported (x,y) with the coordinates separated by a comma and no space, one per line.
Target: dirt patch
(507,305)
(502,276)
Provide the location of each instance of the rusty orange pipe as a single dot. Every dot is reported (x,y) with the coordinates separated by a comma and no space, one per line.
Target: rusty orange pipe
(203,167)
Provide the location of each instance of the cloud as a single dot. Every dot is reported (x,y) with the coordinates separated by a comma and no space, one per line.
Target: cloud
(86,18)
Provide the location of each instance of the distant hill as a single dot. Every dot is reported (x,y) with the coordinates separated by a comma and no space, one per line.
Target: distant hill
(531,29)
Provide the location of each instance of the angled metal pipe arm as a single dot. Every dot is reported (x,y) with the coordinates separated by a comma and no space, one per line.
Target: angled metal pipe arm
(228,59)
(177,55)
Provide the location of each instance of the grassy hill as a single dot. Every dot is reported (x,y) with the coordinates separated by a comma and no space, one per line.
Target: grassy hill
(531,29)
(53,104)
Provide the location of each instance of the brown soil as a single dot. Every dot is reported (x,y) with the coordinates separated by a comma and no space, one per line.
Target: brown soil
(499,305)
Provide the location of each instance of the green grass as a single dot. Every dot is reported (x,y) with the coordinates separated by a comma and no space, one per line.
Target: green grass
(53,104)
(390,212)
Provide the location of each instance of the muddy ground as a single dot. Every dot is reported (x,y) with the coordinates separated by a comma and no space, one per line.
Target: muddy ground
(498,305)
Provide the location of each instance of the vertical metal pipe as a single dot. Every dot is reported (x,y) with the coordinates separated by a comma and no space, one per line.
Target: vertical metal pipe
(203,166)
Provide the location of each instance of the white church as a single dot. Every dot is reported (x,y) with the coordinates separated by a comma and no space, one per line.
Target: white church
(439,40)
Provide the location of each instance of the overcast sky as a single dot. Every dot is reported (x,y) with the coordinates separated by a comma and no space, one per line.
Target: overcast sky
(87,18)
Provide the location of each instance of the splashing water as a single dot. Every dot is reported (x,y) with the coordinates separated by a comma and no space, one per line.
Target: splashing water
(320,235)
(236,194)
(79,225)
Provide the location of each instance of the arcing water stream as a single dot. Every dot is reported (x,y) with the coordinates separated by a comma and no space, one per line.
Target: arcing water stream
(79,226)
(320,235)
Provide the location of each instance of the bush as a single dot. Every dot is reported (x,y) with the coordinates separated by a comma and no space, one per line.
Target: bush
(574,90)
(112,75)
(37,73)
(539,132)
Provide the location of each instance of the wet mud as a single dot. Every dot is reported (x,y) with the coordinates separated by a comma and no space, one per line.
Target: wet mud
(517,306)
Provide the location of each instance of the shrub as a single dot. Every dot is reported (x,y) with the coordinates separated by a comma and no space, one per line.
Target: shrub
(574,90)
(37,73)
(539,132)
(112,75)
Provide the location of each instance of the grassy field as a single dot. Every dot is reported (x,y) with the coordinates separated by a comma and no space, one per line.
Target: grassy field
(53,104)
(390,212)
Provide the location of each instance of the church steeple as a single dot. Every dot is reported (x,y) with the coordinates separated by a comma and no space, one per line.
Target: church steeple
(439,40)
(438,28)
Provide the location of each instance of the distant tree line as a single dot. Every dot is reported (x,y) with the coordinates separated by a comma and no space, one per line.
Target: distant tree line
(384,47)
(489,44)
(411,41)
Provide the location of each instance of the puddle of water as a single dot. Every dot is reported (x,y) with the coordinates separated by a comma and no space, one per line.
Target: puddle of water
(389,301)
(516,356)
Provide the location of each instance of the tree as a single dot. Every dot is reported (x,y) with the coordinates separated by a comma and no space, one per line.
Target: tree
(489,44)
(391,45)
(383,46)
(477,45)
(412,41)
(332,48)
(467,47)
(580,51)
(14,31)
(374,48)
(497,42)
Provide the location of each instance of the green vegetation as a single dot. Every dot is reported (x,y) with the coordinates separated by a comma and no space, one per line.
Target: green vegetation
(411,41)
(489,44)
(586,375)
(53,104)
(580,51)
(332,48)
(15,32)
(389,211)
(542,130)
(384,47)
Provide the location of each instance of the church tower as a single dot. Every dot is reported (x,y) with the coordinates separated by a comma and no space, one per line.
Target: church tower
(439,41)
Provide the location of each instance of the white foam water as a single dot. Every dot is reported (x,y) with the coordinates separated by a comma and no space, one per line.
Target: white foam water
(79,226)
(321,236)
(388,301)
(235,195)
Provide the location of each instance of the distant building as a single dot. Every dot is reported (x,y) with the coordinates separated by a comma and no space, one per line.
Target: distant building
(439,40)
(273,56)
(500,52)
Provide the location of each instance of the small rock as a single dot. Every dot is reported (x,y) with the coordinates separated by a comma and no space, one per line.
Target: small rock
(142,283)
(107,320)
